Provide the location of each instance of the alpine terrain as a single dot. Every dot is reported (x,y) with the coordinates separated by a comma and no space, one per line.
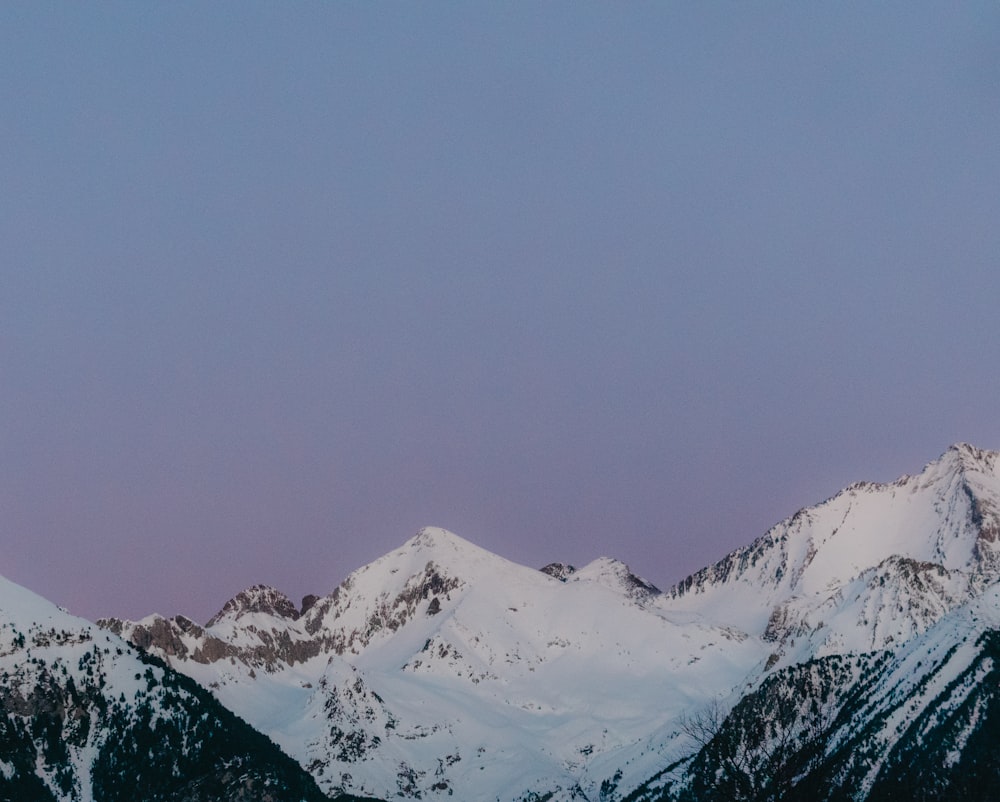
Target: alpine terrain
(850,653)
(85,716)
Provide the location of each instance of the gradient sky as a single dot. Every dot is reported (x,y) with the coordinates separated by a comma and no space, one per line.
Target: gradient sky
(280,284)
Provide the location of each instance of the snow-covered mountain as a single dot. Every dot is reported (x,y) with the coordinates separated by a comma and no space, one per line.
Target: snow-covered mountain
(848,653)
(871,567)
(442,669)
(84,716)
(882,608)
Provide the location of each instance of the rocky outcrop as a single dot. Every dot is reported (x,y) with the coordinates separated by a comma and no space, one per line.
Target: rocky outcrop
(560,571)
(389,612)
(257,599)
(257,627)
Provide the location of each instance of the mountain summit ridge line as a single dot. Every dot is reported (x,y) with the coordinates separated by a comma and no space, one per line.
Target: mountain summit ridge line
(844,654)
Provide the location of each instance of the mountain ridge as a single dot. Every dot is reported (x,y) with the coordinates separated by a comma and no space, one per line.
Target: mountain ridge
(816,662)
(84,715)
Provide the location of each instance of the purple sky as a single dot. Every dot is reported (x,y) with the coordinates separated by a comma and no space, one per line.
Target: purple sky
(281,284)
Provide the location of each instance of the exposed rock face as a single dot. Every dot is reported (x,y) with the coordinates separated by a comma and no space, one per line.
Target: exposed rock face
(390,611)
(307,602)
(84,716)
(256,627)
(560,571)
(160,634)
(257,599)
(262,628)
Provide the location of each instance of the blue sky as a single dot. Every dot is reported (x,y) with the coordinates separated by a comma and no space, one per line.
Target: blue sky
(282,284)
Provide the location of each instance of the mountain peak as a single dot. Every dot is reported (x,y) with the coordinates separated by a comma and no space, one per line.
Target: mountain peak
(967,450)
(434,537)
(618,576)
(962,458)
(437,545)
(257,599)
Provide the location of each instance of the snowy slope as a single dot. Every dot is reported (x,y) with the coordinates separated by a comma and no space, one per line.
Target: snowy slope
(918,723)
(84,717)
(442,670)
(447,670)
(872,566)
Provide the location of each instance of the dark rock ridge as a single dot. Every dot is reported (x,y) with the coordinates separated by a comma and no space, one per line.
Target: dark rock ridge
(560,571)
(257,599)
(181,639)
(853,727)
(295,637)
